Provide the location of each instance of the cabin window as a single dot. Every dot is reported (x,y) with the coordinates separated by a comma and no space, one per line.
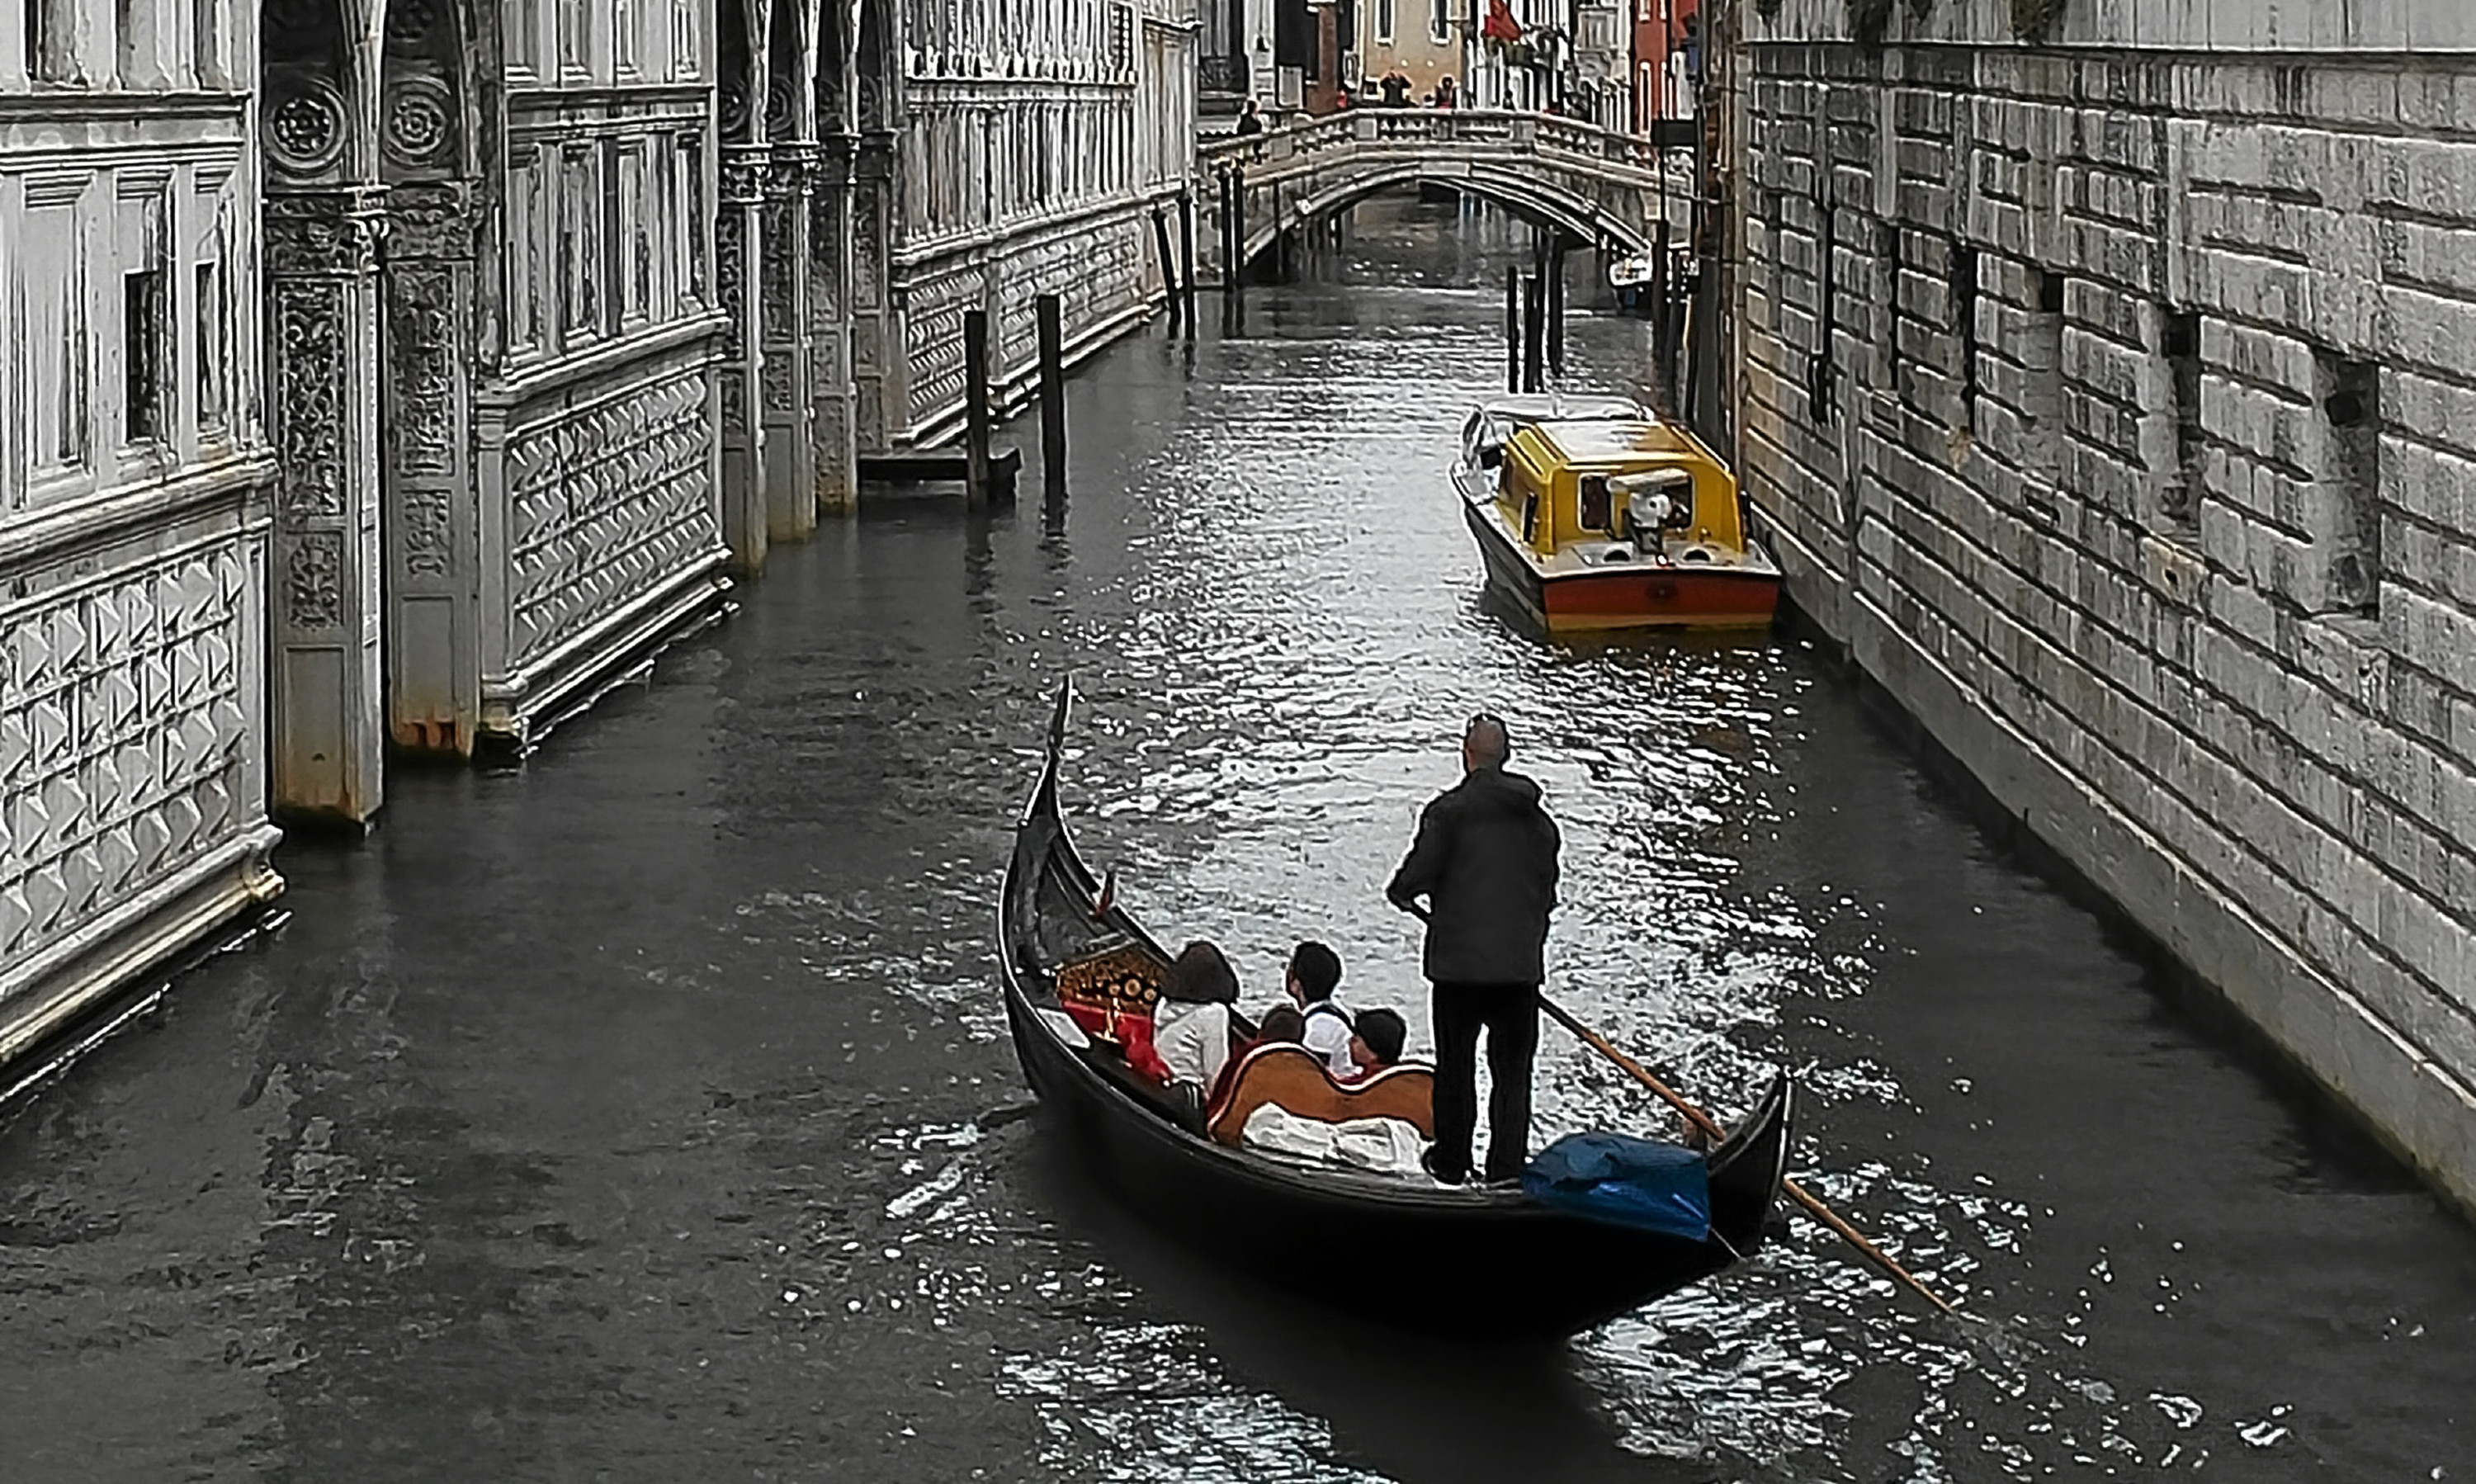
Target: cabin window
(1598,514)
(1530,519)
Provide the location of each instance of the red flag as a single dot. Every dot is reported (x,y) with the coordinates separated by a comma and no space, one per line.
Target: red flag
(1500,25)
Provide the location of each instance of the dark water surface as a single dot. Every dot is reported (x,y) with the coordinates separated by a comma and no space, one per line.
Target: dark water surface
(615,1118)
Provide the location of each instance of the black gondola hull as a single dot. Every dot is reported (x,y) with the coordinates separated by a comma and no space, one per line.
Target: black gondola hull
(1479,1262)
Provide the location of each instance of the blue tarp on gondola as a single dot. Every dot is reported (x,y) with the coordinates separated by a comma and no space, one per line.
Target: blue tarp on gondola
(1632,1182)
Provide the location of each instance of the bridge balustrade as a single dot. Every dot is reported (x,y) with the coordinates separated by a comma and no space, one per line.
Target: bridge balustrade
(1445,128)
(1594,182)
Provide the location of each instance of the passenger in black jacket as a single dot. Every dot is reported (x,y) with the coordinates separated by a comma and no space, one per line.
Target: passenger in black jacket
(1486,861)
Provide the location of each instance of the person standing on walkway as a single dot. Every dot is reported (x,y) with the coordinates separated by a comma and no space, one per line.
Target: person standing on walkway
(1485,858)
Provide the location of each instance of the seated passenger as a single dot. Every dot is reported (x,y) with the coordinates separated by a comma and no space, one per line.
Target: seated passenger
(1281,1022)
(1191,1023)
(1315,973)
(1375,1042)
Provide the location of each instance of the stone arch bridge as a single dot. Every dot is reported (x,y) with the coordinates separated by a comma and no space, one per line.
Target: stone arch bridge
(1591,182)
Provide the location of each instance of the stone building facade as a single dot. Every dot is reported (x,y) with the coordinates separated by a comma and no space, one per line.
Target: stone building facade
(2113,396)
(137,494)
(1025,145)
(390,375)
(1421,40)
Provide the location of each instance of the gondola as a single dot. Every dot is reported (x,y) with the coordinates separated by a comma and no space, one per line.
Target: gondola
(1480,1262)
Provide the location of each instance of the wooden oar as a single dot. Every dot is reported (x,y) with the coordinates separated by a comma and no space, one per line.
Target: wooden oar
(1702,1121)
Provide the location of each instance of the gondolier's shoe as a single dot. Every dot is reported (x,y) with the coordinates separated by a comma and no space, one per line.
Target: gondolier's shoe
(1427,1162)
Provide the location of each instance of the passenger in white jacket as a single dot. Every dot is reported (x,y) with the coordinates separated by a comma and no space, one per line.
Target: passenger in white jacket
(1191,1023)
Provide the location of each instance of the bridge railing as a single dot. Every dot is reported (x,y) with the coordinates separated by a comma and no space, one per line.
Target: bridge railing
(1444,129)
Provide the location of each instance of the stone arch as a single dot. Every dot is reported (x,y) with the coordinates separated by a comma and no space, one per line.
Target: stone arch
(740,41)
(320,91)
(1527,196)
(833,67)
(790,97)
(875,55)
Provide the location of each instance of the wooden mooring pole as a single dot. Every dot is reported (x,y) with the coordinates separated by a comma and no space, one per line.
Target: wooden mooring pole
(1052,397)
(1663,319)
(1533,332)
(1511,328)
(976,409)
(1168,265)
(1557,306)
(1186,254)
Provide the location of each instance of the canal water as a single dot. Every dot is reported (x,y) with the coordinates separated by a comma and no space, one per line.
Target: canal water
(626,1116)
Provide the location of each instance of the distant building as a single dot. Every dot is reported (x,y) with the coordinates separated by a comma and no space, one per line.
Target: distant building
(1666,42)
(1600,89)
(1570,57)
(1416,37)
(1224,75)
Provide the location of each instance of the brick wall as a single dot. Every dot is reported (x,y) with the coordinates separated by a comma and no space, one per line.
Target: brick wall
(2117,405)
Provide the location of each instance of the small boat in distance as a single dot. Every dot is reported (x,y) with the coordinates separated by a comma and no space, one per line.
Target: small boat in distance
(1632,277)
(1477,1261)
(1614,523)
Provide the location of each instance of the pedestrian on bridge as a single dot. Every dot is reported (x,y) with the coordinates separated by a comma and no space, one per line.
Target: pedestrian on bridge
(1485,858)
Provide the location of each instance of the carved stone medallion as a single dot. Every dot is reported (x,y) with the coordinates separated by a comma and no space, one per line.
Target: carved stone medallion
(420,127)
(305,123)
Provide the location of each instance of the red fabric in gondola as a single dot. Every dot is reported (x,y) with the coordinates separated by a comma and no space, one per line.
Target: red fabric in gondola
(1135,1034)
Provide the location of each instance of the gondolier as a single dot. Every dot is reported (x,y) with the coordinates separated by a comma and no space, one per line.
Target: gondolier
(1514,1263)
(1485,858)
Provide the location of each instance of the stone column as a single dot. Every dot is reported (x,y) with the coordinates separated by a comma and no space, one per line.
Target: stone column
(881,379)
(431,536)
(831,422)
(739,235)
(790,451)
(323,416)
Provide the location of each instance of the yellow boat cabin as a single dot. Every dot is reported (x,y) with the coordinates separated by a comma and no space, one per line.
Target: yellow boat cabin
(1614,523)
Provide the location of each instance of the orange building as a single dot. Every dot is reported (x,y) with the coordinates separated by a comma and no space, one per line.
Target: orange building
(1417,39)
(1663,32)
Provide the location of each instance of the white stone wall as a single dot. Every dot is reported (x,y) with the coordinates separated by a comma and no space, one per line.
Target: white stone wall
(2198,26)
(1034,142)
(134,490)
(600,488)
(2159,510)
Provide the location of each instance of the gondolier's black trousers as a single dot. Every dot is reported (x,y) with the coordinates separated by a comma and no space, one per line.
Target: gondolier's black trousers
(1509,1013)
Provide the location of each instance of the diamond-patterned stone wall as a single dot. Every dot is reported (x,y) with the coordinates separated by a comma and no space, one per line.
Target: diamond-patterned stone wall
(126,732)
(610,501)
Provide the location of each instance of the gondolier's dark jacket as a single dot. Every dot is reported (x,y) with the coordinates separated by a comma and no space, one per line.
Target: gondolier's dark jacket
(1486,860)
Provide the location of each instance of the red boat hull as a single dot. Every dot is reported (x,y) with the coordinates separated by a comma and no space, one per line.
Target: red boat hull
(1645,596)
